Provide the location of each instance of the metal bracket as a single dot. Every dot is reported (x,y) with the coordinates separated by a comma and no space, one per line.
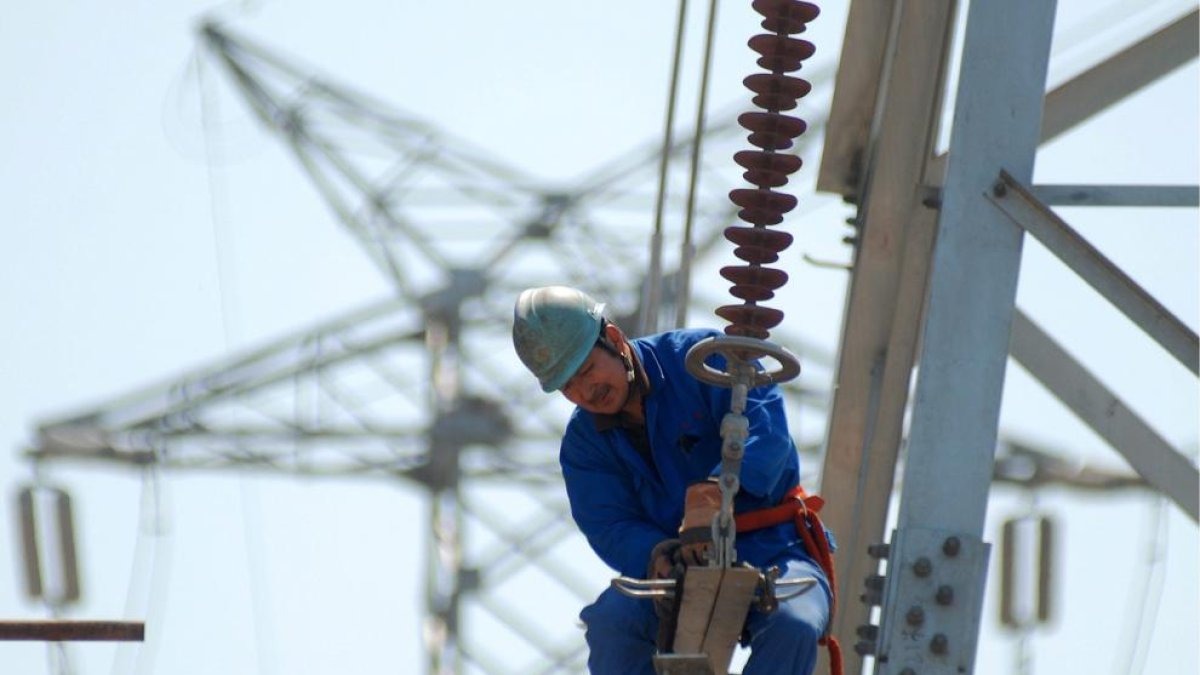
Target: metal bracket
(714,604)
(933,599)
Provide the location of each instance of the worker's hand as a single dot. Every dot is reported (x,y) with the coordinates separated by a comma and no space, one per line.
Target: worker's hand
(664,560)
(665,564)
(700,506)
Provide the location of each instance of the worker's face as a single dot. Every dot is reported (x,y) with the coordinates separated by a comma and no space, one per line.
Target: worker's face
(600,385)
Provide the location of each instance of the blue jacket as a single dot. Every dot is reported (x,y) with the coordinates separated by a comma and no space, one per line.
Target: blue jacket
(624,507)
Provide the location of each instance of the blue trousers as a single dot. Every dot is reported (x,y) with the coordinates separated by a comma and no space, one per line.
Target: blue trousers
(620,630)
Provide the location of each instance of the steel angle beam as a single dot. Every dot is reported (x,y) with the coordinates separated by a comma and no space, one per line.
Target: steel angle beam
(934,600)
(1107,83)
(1019,204)
(885,301)
(1121,75)
(345,338)
(865,47)
(1118,195)
(964,348)
(973,279)
(1164,468)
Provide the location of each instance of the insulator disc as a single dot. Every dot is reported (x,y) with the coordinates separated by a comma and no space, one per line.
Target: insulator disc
(767,161)
(768,141)
(765,179)
(760,216)
(781,54)
(776,240)
(751,293)
(785,16)
(772,123)
(756,255)
(749,320)
(770,83)
(763,199)
(747,331)
(774,102)
(757,279)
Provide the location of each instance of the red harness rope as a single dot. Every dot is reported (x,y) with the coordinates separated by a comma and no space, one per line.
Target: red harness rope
(801,508)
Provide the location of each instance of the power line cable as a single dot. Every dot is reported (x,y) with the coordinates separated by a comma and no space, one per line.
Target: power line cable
(149,574)
(1148,598)
(682,292)
(226,280)
(218,203)
(649,314)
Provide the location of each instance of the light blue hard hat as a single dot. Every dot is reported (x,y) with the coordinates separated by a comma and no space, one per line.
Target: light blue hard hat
(554,330)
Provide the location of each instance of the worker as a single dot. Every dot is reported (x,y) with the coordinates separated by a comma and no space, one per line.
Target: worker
(640,457)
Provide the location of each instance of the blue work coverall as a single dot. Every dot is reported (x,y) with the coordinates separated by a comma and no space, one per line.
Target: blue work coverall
(625,506)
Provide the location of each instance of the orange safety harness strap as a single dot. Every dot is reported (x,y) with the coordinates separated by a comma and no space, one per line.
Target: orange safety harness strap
(801,508)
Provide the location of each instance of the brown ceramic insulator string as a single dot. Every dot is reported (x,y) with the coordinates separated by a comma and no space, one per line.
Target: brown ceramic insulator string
(767,168)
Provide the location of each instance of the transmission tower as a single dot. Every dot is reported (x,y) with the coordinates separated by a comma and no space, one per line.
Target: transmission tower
(424,387)
(939,249)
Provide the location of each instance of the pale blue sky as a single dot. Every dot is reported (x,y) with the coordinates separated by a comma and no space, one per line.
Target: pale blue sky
(112,281)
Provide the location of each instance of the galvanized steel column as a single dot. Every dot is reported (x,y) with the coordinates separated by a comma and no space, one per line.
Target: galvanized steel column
(938,562)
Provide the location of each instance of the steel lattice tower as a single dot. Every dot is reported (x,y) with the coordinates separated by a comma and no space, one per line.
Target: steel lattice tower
(423,387)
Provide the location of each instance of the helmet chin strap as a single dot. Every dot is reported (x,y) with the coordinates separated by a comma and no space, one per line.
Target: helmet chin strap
(626,358)
(624,355)
(630,376)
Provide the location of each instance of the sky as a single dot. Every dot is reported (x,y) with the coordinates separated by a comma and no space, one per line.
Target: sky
(141,246)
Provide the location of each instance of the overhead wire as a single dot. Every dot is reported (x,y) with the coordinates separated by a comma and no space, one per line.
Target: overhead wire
(150,569)
(652,299)
(222,251)
(218,200)
(149,574)
(148,587)
(648,320)
(1147,595)
(683,281)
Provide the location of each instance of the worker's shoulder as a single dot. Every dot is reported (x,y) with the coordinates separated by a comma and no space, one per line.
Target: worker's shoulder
(680,338)
(664,355)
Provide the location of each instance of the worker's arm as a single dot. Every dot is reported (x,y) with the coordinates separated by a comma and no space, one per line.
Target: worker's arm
(769,468)
(605,504)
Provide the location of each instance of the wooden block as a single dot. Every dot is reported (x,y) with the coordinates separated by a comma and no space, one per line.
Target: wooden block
(700,585)
(729,615)
(682,664)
